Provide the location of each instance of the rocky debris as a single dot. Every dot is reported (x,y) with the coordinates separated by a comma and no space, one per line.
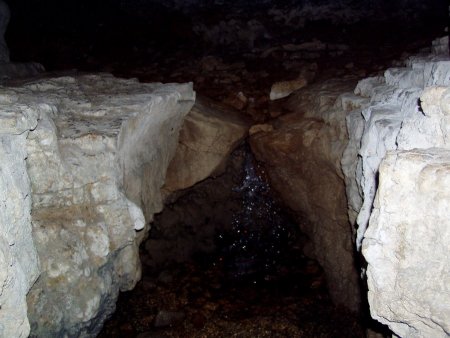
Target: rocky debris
(285,88)
(238,101)
(168,318)
(233,32)
(302,156)
(209,134)
(294,303)
(96,154)
(257,128)
(407,243)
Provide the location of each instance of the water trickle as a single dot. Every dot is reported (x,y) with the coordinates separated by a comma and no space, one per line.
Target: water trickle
(261,232)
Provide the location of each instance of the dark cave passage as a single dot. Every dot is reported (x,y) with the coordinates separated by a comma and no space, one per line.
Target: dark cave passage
(225,259)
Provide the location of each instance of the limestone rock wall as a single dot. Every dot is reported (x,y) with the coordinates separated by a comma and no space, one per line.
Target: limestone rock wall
(329,150)
(96,157)
(398,151)
(391,119)
(19,265)
(407,244)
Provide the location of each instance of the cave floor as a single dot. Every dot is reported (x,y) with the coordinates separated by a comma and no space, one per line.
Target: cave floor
(198,299)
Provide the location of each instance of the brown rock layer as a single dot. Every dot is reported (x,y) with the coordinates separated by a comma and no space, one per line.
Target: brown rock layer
(302,156)
(209,134)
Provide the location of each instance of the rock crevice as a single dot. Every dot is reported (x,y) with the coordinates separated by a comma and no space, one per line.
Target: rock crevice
(329,150)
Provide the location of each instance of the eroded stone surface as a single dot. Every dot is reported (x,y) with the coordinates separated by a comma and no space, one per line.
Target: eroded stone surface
(407,244)
(302,155)
(405,127)
(18,257)
(392,120)
(209,134)
(98,154)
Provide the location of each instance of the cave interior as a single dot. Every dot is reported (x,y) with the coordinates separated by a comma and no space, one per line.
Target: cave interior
(226,257)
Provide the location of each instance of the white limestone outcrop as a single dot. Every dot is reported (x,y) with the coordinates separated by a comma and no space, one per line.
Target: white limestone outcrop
(407,244)
(399,152)
(96,152)
(391,119)
(18,256)
(404,113)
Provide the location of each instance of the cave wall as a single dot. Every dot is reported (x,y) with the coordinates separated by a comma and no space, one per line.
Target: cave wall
(403,165)
(210,132)
(96,150)
(329,150)
(382,115)
(19,263)
(302,156)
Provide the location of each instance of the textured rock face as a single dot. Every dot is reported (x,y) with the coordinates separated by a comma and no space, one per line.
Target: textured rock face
(407,244)
(391,119)
(98,154)
(302,155)
(309,157)
(209,134)
(18,257)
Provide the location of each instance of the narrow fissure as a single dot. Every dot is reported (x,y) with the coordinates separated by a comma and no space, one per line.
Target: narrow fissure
(225,258)
(264,245)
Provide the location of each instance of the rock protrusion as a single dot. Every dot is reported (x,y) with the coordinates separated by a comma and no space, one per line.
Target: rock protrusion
(209,134)
(407,244)
(301,152)
(96,149)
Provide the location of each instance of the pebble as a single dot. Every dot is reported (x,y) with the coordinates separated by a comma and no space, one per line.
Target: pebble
(168,318)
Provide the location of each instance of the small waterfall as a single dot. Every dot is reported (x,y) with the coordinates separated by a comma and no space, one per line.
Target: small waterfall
(261,232)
